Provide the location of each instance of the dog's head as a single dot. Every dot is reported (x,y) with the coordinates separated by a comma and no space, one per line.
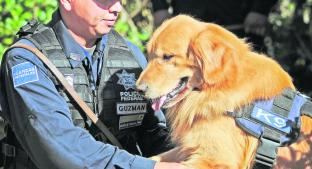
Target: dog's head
(186,55)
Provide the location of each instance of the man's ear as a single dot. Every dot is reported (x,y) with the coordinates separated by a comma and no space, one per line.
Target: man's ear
(65,4)
(213,55)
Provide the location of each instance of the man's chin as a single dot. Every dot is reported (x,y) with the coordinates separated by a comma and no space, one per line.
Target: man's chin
(103,31)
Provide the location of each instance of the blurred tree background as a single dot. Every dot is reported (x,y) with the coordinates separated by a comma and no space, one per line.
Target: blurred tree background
(15,13)
(288,39)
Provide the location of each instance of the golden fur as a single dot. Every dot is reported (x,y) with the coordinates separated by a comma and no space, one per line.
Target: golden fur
(224,74)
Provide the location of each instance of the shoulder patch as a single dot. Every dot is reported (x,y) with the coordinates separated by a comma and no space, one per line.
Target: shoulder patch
(24,73)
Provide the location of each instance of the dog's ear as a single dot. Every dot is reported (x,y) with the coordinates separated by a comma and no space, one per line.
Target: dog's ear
(212,51)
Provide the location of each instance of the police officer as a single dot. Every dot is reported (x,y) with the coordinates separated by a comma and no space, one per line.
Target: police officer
(45,128)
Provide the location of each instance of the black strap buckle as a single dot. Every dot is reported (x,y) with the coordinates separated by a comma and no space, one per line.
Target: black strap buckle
(8,150)
(267,152)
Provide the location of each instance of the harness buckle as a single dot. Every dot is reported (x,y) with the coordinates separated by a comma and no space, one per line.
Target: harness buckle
(8,150)
(266,152)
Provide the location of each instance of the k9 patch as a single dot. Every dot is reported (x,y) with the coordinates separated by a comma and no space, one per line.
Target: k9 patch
(24,73)
(271,119)
(130,121)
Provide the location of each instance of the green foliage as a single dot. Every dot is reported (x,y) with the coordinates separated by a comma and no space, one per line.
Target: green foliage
(135,22)
(289,40)
(15,13)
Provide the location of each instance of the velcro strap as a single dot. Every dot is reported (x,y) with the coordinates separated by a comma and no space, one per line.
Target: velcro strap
(8,150)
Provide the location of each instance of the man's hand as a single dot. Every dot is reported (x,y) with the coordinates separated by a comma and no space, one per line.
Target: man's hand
(255,23)
(165,165)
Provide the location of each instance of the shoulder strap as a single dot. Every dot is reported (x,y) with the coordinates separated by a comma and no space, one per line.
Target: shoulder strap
(71,92)
(116,40)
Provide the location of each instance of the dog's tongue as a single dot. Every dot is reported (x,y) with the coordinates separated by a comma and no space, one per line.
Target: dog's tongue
(156,105)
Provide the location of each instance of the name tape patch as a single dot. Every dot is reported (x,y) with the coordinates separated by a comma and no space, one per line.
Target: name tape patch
(131,108)
(130,121)
(24,73)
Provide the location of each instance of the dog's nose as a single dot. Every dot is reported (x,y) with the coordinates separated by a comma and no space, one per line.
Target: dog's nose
(142,87)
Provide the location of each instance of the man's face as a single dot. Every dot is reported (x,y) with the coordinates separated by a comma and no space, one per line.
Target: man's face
(95,17)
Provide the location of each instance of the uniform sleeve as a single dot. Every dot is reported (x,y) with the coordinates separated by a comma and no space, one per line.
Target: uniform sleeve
(42,122)
(154,133)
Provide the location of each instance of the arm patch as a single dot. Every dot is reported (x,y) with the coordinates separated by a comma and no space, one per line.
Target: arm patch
(24,73)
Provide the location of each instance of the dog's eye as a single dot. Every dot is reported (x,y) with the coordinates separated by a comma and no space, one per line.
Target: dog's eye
(167,57)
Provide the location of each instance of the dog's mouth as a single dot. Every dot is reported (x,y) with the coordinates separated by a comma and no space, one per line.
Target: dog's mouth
(172,97)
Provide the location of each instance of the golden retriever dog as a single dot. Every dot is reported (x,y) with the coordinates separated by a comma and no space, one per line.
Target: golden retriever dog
(200,71)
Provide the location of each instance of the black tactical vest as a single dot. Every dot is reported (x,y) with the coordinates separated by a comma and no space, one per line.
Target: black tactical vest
(45,40)
(114,99)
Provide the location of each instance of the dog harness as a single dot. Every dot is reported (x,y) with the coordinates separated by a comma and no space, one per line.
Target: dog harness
(275,122)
